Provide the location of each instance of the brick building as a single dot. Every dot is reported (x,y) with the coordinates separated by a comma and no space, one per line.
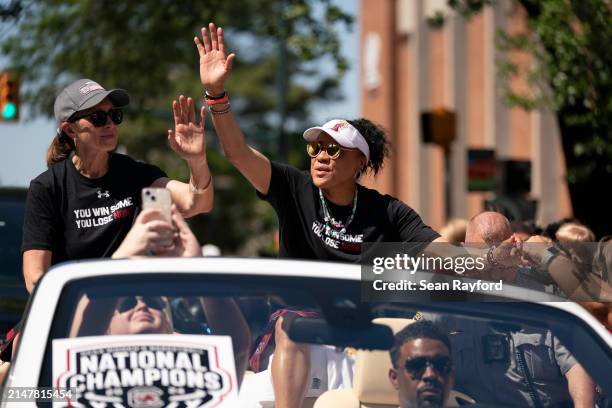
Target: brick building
(409,67)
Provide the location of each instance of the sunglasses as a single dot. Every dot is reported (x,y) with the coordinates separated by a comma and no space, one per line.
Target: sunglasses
(332,149)
(416,366)
(99,118)
(130,302)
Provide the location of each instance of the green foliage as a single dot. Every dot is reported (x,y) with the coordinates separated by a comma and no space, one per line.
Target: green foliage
(147,47)
(569,41)
(571,73)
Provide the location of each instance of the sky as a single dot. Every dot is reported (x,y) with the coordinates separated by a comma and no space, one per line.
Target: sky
(26,142)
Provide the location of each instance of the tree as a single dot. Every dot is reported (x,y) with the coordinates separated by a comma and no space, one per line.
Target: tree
(569,43)
(147,47)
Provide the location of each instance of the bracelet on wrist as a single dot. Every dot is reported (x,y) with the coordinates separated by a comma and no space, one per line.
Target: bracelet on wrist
(221,101)
(214,97)
(220,111)
(196,190)
(489,257)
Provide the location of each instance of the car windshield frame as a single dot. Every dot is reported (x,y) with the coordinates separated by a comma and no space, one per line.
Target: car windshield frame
(330,294)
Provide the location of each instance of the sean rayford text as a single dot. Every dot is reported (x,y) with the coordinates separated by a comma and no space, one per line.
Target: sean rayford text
(422,262)
(424,285)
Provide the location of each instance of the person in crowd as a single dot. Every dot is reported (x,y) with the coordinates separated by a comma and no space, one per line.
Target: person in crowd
(550,374)
(575,262)
(525,229)
(550,230)
(422,369)
(574,232)
(454,230)
(490,230)
(86,202)
(488,227)
(324,213)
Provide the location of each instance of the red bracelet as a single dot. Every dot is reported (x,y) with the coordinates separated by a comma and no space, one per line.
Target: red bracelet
(210,102)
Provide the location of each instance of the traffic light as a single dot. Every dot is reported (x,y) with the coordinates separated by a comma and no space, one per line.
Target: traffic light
(9,97)
(439,127)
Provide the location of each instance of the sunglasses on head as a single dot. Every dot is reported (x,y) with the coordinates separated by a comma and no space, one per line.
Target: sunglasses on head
(130,302)
(332,149)
(99,118)
(416,366)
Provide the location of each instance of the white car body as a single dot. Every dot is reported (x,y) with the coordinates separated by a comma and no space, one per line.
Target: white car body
(26,367)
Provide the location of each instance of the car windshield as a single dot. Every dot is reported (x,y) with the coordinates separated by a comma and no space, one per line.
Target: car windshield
(477,353)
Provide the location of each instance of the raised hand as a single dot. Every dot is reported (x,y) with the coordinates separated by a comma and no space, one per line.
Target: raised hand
(215,66)
(187,139)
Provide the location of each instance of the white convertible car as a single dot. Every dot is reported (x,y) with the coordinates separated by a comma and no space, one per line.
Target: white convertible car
(179,333)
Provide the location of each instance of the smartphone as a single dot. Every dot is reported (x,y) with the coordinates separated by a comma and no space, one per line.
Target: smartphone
(156,197)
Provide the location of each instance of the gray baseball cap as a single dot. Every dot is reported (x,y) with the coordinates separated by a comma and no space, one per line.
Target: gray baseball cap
(84,94)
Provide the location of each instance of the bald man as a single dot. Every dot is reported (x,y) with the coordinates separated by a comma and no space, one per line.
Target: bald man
(556,377)
(488,228)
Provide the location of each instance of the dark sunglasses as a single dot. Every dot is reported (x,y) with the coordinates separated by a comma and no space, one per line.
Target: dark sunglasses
(416,366)
(130,302)
(99,118)
(333,149)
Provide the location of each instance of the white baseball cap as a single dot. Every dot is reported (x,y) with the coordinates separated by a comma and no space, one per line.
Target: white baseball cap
(342,132)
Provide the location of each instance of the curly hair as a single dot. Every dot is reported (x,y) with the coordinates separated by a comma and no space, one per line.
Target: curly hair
(376,137)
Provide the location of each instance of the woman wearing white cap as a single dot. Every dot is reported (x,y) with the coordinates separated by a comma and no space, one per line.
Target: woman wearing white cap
(324,213)
(86,202)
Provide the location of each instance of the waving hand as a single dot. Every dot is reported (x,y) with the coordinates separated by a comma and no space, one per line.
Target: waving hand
(187,139)
(215,66)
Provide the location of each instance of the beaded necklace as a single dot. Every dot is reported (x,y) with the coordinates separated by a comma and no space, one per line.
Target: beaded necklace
(331,220)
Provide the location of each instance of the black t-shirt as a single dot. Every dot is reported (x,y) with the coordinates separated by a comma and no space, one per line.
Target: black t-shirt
(76,217)
(378,218)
